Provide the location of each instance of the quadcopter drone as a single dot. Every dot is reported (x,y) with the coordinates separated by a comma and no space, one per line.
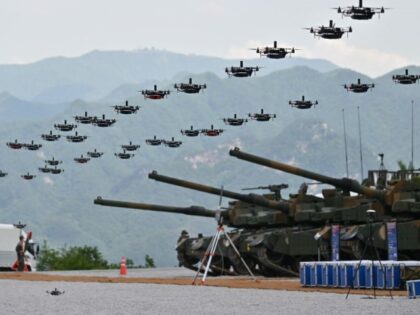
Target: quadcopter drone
(330,32)
(359,87)
(50,136)
(189,87)
(65,127)
(124,155)
(406,78)
(95,154)
(154,141)
(28,176)
(15,145)
(235,121)
(190,132)
(261,116)
(172,143)
(32,146)
(303,104)
(53,162)
(360,12)
(85,119)
(76,138)
(2,174)
(81,159)
(155,94)
(212,132)
(103,122)
(126,109)
(241,71)
(274,52)
(130,146)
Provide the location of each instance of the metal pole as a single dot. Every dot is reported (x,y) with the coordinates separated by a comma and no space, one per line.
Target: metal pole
(412,135)
(345,146)
(360,142)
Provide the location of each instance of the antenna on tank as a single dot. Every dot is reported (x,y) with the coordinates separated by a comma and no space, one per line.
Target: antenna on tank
(345,145)
(412,136)
(360,143)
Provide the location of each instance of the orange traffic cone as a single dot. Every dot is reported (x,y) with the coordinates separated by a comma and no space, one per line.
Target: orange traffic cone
(123,267)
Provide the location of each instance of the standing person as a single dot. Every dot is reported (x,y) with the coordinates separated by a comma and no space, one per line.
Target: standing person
(20,252)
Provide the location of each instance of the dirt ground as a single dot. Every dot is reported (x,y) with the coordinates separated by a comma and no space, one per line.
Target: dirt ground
(289,284)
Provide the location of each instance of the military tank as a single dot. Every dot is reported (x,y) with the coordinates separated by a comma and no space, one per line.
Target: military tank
(395,198)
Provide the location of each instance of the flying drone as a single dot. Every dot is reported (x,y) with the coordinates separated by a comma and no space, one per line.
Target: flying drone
(274,52)
(360,12)
(261,116)
(65,126)
(85,119)
(126,109)
(28,176)
(303,104)
(155,94)
(330,32)
(406,78)
(50,136)
(154,141)
(235,121)
(189,87)
(56,170)
(172,143)
(190,132)
(44,169)
(359,87)
(15,145)
(212,132)
(32,146)
(76,138)
(2,174)
(241,71)
(81,159)
(130,146)
(95,154)
(103,122)
(53,162)
(124,155)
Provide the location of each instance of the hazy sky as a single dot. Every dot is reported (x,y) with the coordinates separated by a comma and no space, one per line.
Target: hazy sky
(31,30)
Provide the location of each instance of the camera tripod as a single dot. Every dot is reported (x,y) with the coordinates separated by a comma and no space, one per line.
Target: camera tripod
(371,245)
(208,255)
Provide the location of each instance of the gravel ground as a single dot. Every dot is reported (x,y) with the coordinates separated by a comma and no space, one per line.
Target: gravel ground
(131,273)
(26,297)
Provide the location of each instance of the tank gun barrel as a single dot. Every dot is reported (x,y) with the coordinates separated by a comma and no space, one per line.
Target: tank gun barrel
(345,184)
(249,198)
(193,210)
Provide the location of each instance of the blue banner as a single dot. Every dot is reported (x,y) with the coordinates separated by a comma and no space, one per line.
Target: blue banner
(335,242)
(391,231)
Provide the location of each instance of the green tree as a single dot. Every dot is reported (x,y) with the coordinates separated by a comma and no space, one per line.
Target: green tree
(72,258)
(149,262)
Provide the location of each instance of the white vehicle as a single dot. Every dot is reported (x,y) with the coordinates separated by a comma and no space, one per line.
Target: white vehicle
(9,237)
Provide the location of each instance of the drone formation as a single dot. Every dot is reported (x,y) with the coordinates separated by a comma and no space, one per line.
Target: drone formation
(329,32)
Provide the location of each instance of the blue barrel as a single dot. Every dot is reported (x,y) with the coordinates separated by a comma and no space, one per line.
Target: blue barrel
(413,289)
(318,274)
(336,275)
(360,276)
(379,276)
(369,276)
(393,276)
